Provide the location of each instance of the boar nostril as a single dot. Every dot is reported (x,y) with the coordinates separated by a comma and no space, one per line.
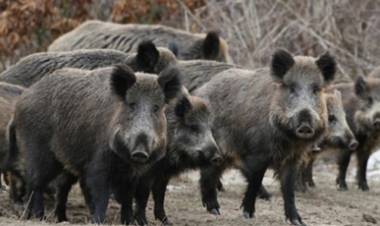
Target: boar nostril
(140,156)
(353,145)
(305,131)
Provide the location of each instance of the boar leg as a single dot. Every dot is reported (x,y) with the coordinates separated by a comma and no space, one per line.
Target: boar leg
(309,173)
(141,198)
(64,183)
(362,170)
(99,190)
(87,196)
(255,177)
(41,168)
(288,175)
(158,191)
(208,182)
(124,193)
(343,161)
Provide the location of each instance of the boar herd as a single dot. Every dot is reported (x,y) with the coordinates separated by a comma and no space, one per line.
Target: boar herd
(122,109)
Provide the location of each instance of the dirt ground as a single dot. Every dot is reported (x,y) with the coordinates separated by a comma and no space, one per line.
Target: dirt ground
(323,205)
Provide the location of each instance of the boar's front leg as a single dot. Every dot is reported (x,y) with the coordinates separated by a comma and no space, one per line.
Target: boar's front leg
(288,176)
(254,170)
(362,169)
(98,186)
(124,192)
(210,177)
(343,161)
(141,198)
(158,191)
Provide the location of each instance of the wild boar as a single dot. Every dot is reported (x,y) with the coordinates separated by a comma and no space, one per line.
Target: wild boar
(266,118)
(34,67)
(124,37)
(105,126)
(361,101)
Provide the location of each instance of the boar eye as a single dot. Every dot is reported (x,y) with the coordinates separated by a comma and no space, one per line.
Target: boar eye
(156,108)
(316,89)
(292,88)
(132,105)
(194,128)
(332,119)
(370,100)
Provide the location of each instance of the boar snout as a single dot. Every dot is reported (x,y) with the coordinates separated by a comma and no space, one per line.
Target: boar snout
(353,145)
(304,128)
(305,131)
(139,156)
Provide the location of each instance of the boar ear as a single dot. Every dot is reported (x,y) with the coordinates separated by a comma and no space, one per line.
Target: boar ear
(211,45)
(182,106)
(361,87)
(147,56)
(174,48)
(326,63)
(282,61)
(122,78)
(170,82)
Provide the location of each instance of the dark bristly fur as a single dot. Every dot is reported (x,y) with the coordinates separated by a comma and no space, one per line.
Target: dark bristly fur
(361,101)
(102,35)
(261,121)
(191,145)
(34,67)
(72,122)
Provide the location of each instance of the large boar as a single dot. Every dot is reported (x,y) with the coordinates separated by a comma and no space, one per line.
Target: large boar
(33,67)
(266,118)
(337,136)
(105,126)
(361,101)
(191,145)
(105,35)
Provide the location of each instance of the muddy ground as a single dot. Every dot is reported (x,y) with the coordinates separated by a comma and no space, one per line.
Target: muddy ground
(323,205)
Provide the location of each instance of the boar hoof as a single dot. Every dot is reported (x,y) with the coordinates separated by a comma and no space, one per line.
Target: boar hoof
(342,187)
(248,215)
(363,186)
(215,211)
(141,219)
(311,184)
(166,222)
(296,221)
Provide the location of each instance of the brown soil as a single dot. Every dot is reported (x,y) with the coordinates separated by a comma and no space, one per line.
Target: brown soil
(323,205)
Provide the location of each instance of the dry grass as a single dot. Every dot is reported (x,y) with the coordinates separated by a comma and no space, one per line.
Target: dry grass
(348,29)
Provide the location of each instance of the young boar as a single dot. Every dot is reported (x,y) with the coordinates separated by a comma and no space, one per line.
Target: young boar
(337,136)
(191,145)
(105,126)
(124,37)
(361,101)
(34,67)
(266,118)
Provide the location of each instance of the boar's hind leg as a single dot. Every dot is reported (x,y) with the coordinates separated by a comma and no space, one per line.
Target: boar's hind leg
(288,176)
(264,194)
(362,169)
(343,161)
(308,176)
(158,190)
(254,172)
(141,197)
(64,183)
(208,182)
(40,170)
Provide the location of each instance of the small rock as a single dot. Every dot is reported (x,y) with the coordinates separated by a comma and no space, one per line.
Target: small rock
(369,218)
